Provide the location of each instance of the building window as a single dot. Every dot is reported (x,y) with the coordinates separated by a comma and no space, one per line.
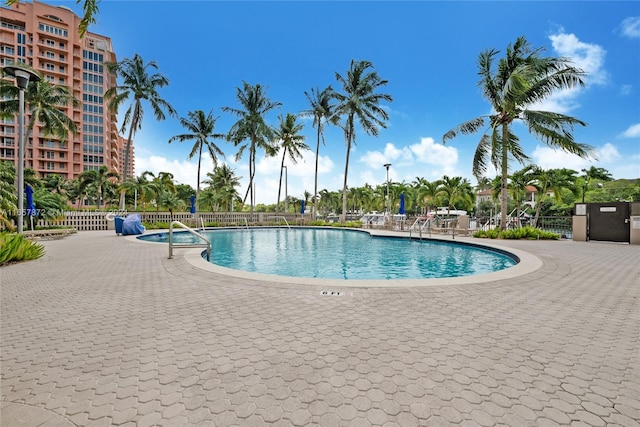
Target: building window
(50,55)
(53,30)
(22,38)
(50,166)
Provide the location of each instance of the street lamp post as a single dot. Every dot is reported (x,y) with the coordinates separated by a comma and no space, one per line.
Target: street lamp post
(388,207)
(23,77)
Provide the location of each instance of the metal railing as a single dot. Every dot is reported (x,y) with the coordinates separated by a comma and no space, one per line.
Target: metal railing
(188,245)
(285,219)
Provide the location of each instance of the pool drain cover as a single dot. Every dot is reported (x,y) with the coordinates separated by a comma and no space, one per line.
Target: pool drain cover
(333,293)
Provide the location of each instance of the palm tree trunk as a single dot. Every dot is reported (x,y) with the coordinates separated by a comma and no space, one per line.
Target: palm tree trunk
(343,216)
(503,185)
(315,185)
(284,153)
(125,168)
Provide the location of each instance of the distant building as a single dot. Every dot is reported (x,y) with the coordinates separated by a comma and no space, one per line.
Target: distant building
(46,38)
(486,195)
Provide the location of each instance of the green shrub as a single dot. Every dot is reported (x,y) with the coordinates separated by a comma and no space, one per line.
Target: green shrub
(15,247)
(517,234)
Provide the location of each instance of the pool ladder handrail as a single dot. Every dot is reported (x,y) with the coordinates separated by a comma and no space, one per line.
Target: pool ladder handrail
(188,245)
(427,223)
(281,216)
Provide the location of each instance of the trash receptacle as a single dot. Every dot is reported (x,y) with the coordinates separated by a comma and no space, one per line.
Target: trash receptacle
(118,220)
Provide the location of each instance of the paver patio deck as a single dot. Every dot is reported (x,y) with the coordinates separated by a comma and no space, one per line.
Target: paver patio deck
(106,331)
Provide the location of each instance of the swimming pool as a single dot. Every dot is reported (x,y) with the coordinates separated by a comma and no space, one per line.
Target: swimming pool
(343,254)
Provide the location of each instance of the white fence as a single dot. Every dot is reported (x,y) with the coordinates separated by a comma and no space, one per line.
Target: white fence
(104,220)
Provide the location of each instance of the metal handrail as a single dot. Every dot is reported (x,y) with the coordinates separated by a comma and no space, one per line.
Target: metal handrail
(246,223)
(191,245)
(285,219)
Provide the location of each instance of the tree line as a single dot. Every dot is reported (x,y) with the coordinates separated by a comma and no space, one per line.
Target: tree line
(512,84)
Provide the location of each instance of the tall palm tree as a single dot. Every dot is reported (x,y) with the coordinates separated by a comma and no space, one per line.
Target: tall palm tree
(46,102)
(251,126)
(201,129)
(140,82)
(291,142)
(520,80)
(98,179)
(359,102)
(323,112)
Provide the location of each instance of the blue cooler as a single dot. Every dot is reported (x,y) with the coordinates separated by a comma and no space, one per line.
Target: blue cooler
(118,220)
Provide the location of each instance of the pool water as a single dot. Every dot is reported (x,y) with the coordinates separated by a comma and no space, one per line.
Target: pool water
(342,254)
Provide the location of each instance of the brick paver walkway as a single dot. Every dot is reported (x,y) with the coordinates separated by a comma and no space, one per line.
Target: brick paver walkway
(106,331)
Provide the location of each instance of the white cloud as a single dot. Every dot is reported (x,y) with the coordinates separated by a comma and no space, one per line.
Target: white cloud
(586,56)
(425,159)
(549,158)
(632,131)
(630,27)
(184,171)
(607,153)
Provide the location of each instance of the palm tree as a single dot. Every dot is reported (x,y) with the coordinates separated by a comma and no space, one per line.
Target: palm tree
(161,183)
(456,190)
(251,125)
(8,196)
(45,101)
(55,183)
(98,179)
(551,180)
(140,84)
(521,79)
(359,101)
(591,174)
(171,202)
(222,184)
(291,142)
(518,183)
(427,193)
(323,112)
(201,129)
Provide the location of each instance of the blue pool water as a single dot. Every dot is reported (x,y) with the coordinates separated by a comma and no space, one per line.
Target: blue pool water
(342,254)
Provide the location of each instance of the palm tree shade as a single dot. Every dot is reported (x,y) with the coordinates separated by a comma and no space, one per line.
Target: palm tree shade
(520,80)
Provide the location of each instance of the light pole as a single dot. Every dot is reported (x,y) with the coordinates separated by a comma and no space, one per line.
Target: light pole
(285,188)
(388,207)
(23,77)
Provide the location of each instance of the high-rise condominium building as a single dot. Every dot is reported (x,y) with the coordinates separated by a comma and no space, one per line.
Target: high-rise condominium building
(46,38)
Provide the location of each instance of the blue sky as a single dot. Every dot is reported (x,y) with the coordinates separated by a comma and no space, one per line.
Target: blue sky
(427,50)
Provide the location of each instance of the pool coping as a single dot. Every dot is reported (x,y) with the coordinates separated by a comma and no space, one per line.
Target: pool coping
(527,264)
